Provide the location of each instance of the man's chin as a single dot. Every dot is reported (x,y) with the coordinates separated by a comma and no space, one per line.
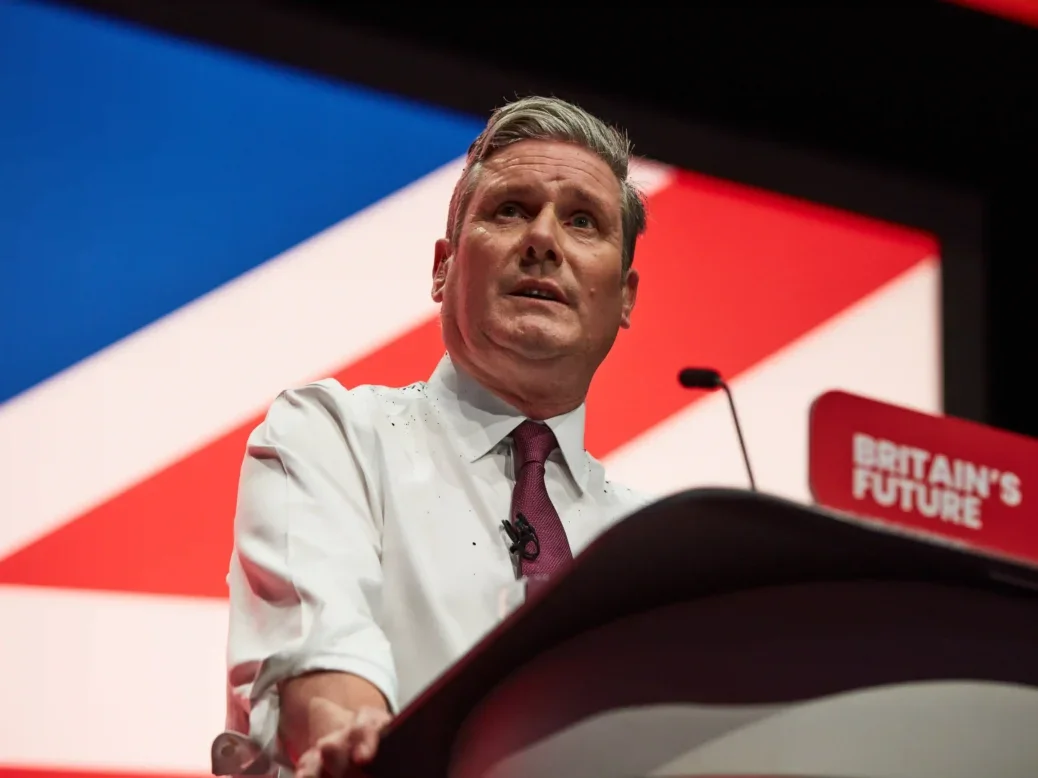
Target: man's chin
(535,343)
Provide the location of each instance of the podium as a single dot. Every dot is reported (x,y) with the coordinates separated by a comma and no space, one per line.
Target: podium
(722,632)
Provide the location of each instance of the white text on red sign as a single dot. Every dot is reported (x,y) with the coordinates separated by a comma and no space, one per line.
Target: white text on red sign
(934,486)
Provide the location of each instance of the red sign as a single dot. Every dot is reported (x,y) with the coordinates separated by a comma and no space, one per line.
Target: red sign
(957,479)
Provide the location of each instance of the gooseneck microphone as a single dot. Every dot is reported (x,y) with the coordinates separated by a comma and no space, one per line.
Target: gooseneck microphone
(709,379)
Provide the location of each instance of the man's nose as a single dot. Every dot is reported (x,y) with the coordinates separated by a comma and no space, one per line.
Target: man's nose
(542,240)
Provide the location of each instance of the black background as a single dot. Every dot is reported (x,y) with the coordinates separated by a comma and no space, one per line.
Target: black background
(924,113)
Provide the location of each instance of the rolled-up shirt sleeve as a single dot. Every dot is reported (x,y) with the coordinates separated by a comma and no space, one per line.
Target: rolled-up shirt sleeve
(305,575)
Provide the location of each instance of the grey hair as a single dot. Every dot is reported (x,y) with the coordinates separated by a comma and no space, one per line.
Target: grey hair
(548,118)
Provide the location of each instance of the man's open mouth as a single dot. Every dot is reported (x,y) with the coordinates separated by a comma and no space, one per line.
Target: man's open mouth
(537,294)
(540,291)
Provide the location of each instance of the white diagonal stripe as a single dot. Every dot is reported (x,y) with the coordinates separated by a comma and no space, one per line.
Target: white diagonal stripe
(99,681)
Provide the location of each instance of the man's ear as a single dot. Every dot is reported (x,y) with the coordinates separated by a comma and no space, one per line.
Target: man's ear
(630,296)
(443,254)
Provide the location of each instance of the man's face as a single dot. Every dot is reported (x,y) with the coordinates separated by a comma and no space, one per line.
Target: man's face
(537,273)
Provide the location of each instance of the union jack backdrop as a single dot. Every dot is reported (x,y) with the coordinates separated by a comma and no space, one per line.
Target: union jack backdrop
(186,232)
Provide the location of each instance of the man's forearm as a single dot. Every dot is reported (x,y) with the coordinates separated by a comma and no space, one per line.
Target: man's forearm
(317,704)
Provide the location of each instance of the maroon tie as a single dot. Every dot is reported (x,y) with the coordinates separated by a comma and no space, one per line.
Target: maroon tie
(533,514)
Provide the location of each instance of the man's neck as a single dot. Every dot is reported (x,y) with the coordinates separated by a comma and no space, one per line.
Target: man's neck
(537,391)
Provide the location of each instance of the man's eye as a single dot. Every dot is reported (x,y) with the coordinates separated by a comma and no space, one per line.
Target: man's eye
(583,222)
(509,211)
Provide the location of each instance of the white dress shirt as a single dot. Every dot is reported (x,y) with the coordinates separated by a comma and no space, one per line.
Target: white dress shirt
(368,534)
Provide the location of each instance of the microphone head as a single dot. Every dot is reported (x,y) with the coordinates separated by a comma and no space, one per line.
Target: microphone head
(700,378)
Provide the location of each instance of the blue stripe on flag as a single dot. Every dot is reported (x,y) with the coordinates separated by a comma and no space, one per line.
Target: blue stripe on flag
(138,172)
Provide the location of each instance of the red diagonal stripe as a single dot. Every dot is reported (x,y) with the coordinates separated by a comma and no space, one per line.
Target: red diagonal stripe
(730,277)
(1024,11)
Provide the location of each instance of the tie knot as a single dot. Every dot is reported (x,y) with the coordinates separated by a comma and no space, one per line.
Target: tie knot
(533,442)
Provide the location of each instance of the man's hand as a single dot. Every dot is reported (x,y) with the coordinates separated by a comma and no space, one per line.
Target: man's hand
(354,742)
(332,720)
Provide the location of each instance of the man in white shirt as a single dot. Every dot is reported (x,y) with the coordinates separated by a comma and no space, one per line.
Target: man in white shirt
(380,532)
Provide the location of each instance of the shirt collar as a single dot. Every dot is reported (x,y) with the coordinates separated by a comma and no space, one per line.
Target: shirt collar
(481,420)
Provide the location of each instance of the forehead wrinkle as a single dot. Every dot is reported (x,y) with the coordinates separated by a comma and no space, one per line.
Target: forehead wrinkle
(499,167)
(534,152)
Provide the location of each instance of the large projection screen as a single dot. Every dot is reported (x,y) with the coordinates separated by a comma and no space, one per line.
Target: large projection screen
(187,231)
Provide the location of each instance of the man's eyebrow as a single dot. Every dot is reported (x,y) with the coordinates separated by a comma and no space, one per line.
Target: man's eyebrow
(515,189)
(512,189)
(583,195)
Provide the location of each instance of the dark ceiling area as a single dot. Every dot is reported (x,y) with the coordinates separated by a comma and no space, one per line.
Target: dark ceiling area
(923,89)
